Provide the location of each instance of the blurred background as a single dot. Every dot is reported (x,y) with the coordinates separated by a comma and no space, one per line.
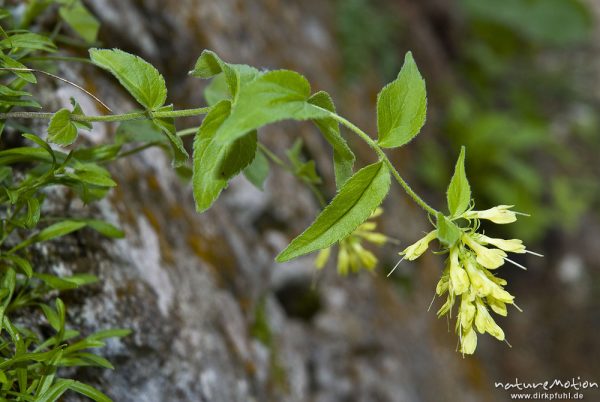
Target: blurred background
(517,82)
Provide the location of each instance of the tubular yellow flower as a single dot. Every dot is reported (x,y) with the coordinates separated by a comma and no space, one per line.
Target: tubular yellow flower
(466,312)
(458,276)
(368,259)
(511,245)
(352,256)
(485,323)
(488,257)
(415,250)
(500,214)
(468,342)
(343,261)
(322,258)
(479,281)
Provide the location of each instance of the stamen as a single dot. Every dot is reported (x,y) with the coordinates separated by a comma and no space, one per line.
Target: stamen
(431,304)
(517,307)
(509,345)
(521,213)
(536,254)
(395,266)
(516,263)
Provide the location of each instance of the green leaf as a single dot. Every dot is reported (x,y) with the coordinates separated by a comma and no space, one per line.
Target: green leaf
(217,90)
(258,170)
(93,174)
(215,164)
(23,264)
(105,228)
(88,391)
(272,97)
(139,131)
(110,333)
(61,129)
(137,76)
(12,63)
(33,212)
(447,232)
(167,126)
(343,157)
(402,106)
(353,205)
(59,229)
(235,76)
(459,191)
(81,20)
(77,111)
(29,41)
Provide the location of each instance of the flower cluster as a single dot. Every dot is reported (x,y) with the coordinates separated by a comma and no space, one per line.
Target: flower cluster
(467,278)
(352,256)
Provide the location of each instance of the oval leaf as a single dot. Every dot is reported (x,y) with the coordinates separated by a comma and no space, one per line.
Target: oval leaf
(137,76)
(215,164)
(401,106)
(353,205)
(274,96)
(61,129)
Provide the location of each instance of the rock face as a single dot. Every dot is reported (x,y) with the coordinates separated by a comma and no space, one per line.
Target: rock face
(214,318)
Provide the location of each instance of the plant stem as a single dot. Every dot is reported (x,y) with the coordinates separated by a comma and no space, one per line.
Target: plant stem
(111,117)
(365,137)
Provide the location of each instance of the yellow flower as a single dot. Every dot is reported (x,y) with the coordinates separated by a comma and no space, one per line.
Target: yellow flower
(500,214)
(458,276)
(352,256)
(511,245)
(485,323)
(468,342)
(489,258)
(415,250)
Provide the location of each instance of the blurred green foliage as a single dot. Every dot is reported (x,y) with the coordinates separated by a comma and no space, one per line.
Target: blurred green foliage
(519,103)
(367,35)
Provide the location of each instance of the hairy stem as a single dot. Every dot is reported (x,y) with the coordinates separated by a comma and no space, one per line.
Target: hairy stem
(365,137)
(111,117)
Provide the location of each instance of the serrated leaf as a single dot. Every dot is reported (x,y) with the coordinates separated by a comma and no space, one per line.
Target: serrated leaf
(271,97)
(401,107)
(459,190)
(137,76)
(343,157)
(235,76)
(215,164)
(353,205)
(78,17)
(217,90)
(61,129)
(258,170)
(447,232)
(167,126)
(77,111)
